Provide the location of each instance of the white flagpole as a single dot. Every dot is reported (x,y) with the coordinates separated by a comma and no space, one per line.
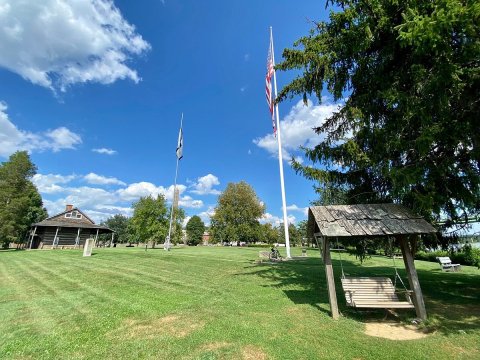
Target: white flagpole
(166,246)
(280,157)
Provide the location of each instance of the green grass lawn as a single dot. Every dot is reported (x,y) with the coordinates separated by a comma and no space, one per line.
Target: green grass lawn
(214,303)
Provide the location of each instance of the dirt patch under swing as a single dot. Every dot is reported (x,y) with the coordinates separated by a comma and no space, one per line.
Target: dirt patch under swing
(394,331)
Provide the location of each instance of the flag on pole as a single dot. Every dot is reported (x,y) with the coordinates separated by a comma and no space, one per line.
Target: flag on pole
(276,130)
(268,85)
(180,144)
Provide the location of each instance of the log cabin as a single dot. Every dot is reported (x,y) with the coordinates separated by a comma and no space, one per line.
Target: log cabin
(69,229)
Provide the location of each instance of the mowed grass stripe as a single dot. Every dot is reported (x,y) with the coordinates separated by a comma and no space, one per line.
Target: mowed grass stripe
(217,291)
(124,273)
(16,315)
(122,296)
(41,322)
(84,292)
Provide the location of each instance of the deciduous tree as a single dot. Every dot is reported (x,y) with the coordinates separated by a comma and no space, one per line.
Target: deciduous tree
(237,213)
(119,224)
(177,231)
(20,203)
(269,233)
(195,229)
(150,220)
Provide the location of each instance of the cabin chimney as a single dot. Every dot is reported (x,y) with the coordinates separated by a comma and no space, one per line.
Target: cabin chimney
(68,207)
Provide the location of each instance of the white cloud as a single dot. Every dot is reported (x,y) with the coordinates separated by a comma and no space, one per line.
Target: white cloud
(137,190)
(188,202)
(168,192)
(48,184)
(204,185)
(99,203)
(112,210)
(275,220)
(95,179)
(134,191)
(83,197)
(105,151)
(57,43)
(294,207)
(297,129)
(207,214)
(62,138)
(13,139)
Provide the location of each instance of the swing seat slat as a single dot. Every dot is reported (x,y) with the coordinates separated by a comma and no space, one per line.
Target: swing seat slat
(372,292)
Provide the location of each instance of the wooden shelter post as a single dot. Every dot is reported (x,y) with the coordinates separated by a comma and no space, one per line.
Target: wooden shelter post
(413,278)
(332,295)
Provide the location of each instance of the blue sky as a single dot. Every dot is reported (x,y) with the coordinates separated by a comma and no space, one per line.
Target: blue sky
(94,91)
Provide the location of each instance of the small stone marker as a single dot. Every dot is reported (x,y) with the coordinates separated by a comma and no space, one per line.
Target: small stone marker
(264,254)
(87,249)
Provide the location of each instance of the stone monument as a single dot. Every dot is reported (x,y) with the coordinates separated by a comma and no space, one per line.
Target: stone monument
(87,249)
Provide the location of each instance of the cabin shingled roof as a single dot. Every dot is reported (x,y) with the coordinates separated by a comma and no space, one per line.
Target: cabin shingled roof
(58,220)
(62,214)
(365,220)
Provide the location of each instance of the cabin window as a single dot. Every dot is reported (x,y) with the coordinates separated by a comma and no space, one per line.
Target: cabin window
(74,215)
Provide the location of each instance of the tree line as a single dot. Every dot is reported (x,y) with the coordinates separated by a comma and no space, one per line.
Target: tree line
(236,220)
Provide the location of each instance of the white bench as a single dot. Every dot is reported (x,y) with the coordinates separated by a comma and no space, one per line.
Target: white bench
(373,292)
(446,264)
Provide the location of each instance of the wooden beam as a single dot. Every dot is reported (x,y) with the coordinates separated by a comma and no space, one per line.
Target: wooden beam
(77,239)
(33,236)
(96,237)
(332,295)
(55,238)
(413,278)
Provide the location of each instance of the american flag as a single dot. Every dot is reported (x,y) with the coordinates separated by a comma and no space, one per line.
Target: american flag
(268,85)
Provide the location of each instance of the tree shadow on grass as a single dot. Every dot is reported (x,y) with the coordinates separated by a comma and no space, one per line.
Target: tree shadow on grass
(300,280)
(452,299)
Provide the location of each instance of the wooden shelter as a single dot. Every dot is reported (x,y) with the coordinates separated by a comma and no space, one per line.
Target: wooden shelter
(369,221)
(70,228)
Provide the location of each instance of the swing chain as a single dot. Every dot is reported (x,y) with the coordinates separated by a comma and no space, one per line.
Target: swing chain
(397,275)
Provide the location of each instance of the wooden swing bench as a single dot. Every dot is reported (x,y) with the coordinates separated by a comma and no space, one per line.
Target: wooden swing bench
(373,292)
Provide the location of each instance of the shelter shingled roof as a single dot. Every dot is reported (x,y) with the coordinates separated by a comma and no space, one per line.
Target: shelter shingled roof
(365,220)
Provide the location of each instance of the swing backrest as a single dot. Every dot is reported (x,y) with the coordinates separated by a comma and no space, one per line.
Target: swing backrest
(372,292)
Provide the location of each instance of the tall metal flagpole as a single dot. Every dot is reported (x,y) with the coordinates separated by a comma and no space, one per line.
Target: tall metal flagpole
(280,157)
(166,246)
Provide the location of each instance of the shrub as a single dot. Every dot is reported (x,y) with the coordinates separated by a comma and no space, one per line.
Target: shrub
(472,256)
(466,256)
(430,256)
